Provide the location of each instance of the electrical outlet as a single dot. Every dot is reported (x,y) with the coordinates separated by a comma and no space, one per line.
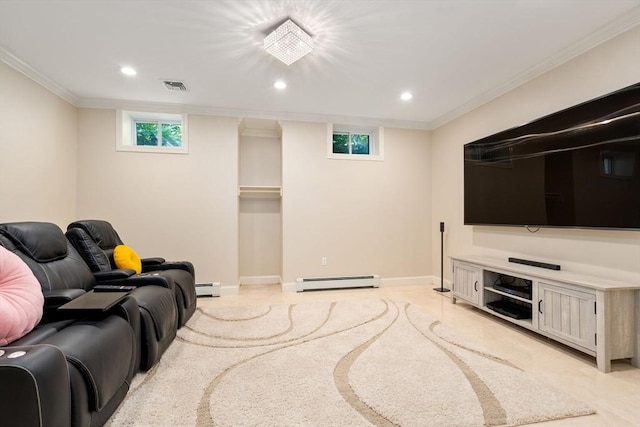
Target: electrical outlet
(324,260)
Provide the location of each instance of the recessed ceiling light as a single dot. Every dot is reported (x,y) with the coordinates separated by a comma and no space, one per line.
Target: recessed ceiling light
(128,71)
(280,84)
(406,96)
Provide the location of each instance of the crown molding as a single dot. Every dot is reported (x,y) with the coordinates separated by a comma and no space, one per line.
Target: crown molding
(625,23)
(158,107)
(13,61)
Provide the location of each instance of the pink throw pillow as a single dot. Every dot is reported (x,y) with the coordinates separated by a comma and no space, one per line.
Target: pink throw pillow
(21,300)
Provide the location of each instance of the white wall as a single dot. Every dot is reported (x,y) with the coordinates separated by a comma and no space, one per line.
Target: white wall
(608,67)
(366,217)
(38,145)
(178,206)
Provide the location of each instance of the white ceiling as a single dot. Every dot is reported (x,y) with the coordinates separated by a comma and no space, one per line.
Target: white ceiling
(453,55)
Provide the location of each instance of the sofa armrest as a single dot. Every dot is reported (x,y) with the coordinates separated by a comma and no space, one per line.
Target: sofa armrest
(53,299)
(170,265)
(128,277)
(35,387)
(151,262)
(113,277)
(150,279)
(58,297)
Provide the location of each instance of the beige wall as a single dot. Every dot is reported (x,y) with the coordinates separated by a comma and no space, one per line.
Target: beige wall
(38,147)
(260,219)
(179,206)
(260,160)
(606,68)
(366,217)
(259,238)
(58,163)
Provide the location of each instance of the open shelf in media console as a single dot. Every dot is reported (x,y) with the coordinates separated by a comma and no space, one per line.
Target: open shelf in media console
(526,323)
(508,306)
(506,294)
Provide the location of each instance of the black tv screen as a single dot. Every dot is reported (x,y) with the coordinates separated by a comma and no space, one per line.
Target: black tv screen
(579,167)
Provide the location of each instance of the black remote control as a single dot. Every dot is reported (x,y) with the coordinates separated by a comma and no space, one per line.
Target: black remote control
(113,288)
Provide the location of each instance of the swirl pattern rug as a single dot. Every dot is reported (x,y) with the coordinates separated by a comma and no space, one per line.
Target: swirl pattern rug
(352,363)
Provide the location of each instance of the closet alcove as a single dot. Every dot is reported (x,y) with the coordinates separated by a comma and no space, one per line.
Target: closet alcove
(259,199)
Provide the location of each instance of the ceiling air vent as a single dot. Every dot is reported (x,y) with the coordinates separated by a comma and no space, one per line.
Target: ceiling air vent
(174,85)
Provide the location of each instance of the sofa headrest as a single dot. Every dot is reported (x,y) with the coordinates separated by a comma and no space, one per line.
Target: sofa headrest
(41,241)
(96,258)
(100,231)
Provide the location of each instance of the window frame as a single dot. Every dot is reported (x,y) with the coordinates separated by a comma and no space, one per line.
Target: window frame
(376,142)
(127,136)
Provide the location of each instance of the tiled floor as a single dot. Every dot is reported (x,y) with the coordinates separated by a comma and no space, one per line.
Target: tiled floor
(615,396)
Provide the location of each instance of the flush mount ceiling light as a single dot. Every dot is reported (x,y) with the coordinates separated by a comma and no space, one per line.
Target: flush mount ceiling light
(280,84)
(288,42)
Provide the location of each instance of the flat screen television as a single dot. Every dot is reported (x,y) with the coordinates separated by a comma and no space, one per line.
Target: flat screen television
(579,167)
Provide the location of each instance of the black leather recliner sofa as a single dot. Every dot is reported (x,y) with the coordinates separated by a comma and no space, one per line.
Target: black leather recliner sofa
(74,371)
(96,240)
(158,315)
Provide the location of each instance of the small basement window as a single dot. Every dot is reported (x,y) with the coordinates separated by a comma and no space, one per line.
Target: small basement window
(354,143)
(152,132)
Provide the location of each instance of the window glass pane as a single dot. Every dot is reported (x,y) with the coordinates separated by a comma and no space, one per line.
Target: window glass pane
(171,135)
(146,133)
(340,143)
(359,144)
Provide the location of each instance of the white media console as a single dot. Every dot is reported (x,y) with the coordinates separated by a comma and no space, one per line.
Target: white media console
(597,316)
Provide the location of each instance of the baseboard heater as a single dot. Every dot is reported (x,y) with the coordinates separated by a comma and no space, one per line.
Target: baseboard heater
(326,283)
(208,289)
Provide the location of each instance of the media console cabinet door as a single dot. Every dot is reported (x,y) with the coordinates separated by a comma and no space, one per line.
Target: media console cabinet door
(568,314)
(466,282)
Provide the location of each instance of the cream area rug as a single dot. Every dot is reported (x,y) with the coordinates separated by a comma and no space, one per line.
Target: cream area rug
(353,363)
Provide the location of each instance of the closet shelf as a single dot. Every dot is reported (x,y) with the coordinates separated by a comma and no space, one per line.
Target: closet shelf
(260,192)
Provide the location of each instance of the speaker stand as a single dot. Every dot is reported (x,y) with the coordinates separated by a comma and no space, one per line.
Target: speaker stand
(441,289)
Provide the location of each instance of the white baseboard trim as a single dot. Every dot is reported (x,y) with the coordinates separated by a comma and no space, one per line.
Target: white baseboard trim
(389,281)
(340,282)
(259,280)
(229,290)
(407,281)
(436,282)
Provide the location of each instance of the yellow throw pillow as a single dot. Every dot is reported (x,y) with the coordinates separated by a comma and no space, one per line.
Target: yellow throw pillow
(125,257)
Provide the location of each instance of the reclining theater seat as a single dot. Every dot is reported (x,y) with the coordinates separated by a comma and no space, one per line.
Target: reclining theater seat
(96,240)
(100,349)
(156,314)
(35,387)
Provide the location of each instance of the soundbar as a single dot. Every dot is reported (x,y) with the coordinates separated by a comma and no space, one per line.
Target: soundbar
(535,263)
